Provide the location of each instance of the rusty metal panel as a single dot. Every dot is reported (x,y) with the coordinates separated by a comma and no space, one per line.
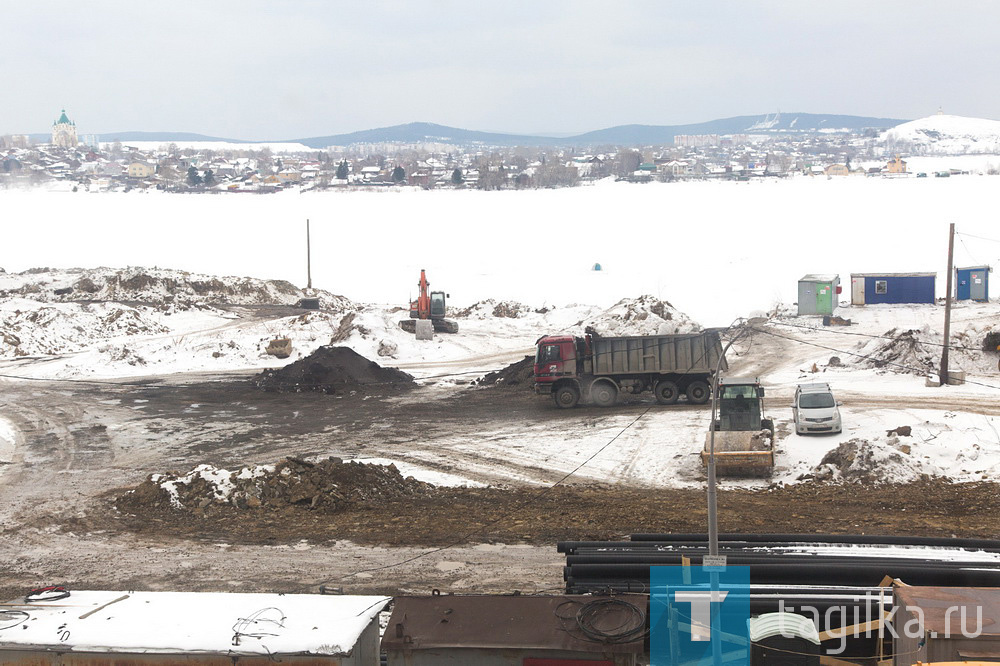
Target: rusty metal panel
(935,603)
(504,622)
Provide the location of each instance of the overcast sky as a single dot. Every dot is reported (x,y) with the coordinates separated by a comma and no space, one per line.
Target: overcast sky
(293,69)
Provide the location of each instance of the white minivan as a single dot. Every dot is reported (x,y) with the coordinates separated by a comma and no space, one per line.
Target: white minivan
(815,409)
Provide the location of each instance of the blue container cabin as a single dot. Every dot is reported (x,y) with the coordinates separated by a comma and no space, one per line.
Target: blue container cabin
(972,284)
(872,288)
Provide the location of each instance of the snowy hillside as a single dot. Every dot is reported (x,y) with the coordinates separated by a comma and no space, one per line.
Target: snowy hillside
(134,322)
(155,285)
(944,135)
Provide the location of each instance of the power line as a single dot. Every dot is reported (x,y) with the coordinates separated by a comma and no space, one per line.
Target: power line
(737,323)
(870,335)
(992,240)
(920,371)
(479,530)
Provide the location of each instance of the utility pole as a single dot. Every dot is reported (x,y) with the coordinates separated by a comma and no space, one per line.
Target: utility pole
(309,275)
(947,307)
(713,511)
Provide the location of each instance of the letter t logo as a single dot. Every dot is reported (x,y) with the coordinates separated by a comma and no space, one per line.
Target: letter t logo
(701,610)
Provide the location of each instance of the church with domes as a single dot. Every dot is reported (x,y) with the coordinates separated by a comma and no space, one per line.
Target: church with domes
(64,132)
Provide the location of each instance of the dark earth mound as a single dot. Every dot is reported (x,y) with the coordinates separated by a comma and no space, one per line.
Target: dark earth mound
(331,370)
(329,486)
(516,375)
(526,515)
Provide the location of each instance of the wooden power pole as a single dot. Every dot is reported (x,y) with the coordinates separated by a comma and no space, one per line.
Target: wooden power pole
(947,307)
(309,275)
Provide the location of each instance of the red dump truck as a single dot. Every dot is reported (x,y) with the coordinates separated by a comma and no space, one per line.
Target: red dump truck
(596,369)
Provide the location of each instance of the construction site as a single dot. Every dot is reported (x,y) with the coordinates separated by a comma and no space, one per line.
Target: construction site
(358,452)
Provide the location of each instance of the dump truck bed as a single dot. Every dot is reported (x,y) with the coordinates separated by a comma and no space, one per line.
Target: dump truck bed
(692,353)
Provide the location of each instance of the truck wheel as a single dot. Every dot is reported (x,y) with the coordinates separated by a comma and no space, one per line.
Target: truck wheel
(566,397)
(604,394)
(698,392)
(666,392)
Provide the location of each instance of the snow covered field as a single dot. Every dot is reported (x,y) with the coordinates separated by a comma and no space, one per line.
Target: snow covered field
(518,266)
(716,250)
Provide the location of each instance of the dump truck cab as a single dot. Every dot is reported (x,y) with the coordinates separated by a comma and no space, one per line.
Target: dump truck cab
(744,437)
(556,368)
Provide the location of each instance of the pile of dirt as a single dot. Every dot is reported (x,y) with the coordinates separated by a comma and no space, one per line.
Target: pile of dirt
(645,315)
(584,512)
(331,370)
(328,486)
(872,463)
(903,352)
(516,375)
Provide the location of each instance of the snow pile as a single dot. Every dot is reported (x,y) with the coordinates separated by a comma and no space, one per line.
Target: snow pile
(645,315)
(918,351)
(492,308)
(329,485)
(873,462)
(29,328)
(913,351)
(156,285)
(944,135)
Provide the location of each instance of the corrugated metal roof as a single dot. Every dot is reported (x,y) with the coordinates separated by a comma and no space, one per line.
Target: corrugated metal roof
(857,275)
(191,622)
(937,604)
(819,277)
(505,622)
(981,267)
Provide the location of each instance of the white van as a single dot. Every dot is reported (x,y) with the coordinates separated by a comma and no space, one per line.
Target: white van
(815,409)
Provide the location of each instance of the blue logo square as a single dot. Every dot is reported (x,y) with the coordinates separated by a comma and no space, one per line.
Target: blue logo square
(698,616)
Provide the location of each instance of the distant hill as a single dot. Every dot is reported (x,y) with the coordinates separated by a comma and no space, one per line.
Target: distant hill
(800,122)
(165,137)
(427,133)
(622,135)
(162,137)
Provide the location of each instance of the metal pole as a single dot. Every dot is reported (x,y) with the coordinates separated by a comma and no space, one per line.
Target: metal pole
(309,275)
(947,307)
(713,511)
(713,517)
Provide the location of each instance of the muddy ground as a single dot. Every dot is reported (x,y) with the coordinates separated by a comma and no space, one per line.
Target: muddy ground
(81,443)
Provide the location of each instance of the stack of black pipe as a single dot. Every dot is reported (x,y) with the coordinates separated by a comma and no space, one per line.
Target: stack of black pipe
(786,560)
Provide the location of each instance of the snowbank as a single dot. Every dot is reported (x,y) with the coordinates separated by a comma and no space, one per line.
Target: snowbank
(156,285)
(946,135)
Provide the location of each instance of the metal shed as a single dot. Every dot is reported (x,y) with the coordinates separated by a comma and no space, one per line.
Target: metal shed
(100,628)
(872,288)
(972,283)
(513,630)
(928,624)
(818,294)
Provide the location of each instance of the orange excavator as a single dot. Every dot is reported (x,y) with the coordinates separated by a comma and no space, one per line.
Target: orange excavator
(428,306)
